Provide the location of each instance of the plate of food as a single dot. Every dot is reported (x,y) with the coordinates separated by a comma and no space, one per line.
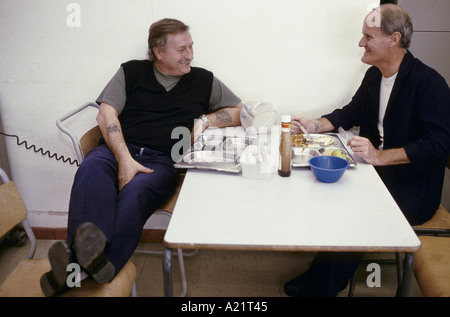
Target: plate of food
(321,144)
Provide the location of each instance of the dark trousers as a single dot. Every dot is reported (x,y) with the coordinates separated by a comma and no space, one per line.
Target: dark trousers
(120,215)
(328,274)
(331,271)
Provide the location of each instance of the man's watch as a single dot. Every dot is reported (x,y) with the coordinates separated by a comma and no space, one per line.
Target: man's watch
(316,126)
(205,120)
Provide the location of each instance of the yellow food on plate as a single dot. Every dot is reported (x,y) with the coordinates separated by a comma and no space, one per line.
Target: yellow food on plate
(338,153)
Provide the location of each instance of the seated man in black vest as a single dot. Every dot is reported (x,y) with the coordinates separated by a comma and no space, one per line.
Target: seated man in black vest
(123,181)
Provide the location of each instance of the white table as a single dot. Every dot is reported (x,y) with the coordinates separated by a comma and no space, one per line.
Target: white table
(298,213)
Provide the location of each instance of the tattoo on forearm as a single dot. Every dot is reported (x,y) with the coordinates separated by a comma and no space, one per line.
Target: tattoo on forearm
(113,129)
(223,116)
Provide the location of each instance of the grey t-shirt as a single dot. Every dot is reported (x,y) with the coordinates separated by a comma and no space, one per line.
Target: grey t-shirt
(114,93)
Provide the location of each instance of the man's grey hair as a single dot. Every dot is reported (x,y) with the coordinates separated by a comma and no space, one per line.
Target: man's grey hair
(395,19)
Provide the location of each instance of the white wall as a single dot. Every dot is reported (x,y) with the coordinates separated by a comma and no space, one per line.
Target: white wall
(47,69)
(300,55)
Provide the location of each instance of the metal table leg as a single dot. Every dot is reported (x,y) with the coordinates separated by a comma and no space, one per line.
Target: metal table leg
(167,272)
(404,287)
(399,264)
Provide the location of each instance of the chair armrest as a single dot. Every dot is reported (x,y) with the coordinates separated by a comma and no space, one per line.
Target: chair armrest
(4,176)
(61,119)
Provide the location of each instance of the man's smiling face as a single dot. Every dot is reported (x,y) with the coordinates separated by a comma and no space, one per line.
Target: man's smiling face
(375,44)
(175,58)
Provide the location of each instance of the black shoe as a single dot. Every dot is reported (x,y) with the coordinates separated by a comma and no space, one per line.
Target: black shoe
(55,281)
(89,243)
(308,285)
(299,287)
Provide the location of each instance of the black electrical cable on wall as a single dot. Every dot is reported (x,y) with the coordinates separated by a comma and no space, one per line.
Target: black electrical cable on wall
(41,150)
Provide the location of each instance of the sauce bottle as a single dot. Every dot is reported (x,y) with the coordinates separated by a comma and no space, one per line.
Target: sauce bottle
(284,169)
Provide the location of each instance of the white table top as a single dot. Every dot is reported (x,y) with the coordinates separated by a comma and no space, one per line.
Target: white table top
(298,213)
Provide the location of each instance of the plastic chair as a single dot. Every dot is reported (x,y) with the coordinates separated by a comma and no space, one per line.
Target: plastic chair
(23,281)
(90,140)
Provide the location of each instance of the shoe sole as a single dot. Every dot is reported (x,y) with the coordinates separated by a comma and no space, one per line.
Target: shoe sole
(55,281)
(89,244)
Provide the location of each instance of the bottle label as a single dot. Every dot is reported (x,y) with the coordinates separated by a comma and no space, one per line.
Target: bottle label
(285,126)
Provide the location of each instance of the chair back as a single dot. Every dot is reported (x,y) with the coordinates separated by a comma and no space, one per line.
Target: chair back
(90,140)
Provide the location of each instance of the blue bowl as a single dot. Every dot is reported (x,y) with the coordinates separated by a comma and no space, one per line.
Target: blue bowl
(328,169)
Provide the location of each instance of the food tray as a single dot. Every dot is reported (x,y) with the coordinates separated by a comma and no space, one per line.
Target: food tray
(215,152)
(211,160)
(323,144)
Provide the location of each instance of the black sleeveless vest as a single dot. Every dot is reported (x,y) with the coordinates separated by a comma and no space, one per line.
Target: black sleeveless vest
(151,113)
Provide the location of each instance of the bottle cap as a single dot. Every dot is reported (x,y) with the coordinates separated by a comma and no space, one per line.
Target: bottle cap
(286,118)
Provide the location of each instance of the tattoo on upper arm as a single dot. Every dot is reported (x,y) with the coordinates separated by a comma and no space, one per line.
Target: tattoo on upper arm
(223,116)
(113,129)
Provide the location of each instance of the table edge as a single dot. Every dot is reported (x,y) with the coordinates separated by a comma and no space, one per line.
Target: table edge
(329,248)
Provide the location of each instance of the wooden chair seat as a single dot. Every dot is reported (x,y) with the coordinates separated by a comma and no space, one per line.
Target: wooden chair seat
(432,261)
(440,220)
(24,281)
(432,266)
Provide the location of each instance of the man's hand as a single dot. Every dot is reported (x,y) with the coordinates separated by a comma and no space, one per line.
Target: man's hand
(295,127)
(128,170)
(324,125)
(363,148)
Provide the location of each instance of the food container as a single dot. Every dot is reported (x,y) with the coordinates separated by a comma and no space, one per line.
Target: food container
(255,163)
(258,115)
(210,157)
(322,144)
(300,156)
(236,145)
(220,161)
(214,152)
(328,169)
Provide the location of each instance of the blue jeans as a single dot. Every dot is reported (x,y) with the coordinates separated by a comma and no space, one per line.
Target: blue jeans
(120,215)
